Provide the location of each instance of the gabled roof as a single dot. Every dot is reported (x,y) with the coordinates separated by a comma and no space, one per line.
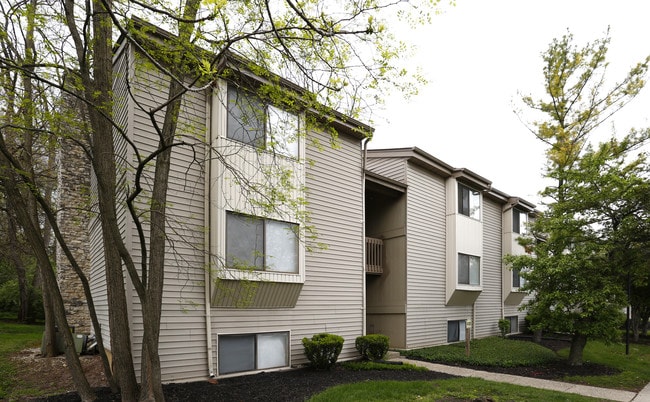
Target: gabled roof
(425,160)
(238,64)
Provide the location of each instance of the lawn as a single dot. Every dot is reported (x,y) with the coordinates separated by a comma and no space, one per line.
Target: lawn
(634,370)
(634,373)
(447,390)
(14,338)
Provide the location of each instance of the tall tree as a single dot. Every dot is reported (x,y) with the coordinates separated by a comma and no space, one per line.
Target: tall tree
(574,269)
(341,52)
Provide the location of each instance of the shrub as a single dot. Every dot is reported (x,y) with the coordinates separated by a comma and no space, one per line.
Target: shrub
(323,349)
(504,327)
(372,347)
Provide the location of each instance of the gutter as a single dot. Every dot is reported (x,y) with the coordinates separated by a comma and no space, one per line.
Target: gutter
(207,233)
(364,145)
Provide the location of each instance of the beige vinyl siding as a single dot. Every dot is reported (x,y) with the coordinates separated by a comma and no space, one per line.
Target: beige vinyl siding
(183,342)
(331,299)
(426,321)
(488,304)
(393,168)
(122,115)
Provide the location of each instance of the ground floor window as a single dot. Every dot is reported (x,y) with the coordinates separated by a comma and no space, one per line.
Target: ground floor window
(455,331)
(249,352)
(514,324)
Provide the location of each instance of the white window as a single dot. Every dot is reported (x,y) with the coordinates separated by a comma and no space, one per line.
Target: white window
(261,244)
(262,126)
(249,352)
(514,324)
(519,221)
(517,280)
(469,202)
(455,331)
(469,270)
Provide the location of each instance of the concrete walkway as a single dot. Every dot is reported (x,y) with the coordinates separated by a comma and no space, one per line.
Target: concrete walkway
(594,392)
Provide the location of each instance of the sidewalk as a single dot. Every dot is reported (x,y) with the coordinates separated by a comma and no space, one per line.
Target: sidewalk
(594,392)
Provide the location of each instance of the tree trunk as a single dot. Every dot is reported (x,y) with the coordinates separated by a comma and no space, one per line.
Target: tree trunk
(537,336)
(636,324)
(578,342)
(50,289)
(19,267)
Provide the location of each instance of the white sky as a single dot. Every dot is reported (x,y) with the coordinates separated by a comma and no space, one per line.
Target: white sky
(478,55)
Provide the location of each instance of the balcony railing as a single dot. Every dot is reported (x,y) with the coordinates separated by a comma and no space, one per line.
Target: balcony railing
(374,256)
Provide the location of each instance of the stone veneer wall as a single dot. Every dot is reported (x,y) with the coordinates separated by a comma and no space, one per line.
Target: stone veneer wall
(73,218)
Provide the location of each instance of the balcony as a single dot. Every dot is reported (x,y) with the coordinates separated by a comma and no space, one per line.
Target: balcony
(374,256)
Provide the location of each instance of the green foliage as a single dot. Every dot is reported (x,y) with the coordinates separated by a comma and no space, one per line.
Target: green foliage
(492,351)
(372,347)
(9,299)
(370,365)
(594,230)
(472,389)
(504,327)
(323,350)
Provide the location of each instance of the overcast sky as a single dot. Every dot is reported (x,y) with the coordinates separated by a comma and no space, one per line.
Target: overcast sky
(477,57)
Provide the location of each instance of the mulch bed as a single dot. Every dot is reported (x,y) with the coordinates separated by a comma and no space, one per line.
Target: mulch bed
(290,385)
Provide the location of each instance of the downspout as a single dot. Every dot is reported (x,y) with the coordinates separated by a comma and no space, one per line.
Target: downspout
(210,105)
(364,145)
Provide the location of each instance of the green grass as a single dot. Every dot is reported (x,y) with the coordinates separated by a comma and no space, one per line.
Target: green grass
(635,367)
(460,388)
(493,351)
(14,338)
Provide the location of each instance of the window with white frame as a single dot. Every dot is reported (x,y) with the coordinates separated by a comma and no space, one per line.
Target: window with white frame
(455,331)
(519,221)
(249,352)
(260,125)
(261,244)
(469,202)
(469,269)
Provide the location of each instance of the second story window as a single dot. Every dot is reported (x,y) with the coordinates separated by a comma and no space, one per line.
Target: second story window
(469,202)
(469,270)
(519,221)
(262,126)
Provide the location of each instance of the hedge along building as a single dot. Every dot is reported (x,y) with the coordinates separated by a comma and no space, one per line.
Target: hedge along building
(266,244)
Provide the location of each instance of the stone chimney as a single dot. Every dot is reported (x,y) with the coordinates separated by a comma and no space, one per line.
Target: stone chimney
(73,218)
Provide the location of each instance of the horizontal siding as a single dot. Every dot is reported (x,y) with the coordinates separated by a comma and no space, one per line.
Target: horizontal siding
(331,299)
(426,261)
(488,304)
(183,343)
(393,168)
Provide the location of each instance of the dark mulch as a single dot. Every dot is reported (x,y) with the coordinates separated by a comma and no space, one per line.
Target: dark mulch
(300,384)
(290,385)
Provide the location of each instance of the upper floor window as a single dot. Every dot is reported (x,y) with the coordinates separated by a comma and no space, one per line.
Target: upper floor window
(263,126)
(469,202)
(261,244)
(517,280)
(469,270)
(519,221)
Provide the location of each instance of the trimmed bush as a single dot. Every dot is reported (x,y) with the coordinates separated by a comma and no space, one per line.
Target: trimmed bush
(323,350)
(504,327)
(372,347)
